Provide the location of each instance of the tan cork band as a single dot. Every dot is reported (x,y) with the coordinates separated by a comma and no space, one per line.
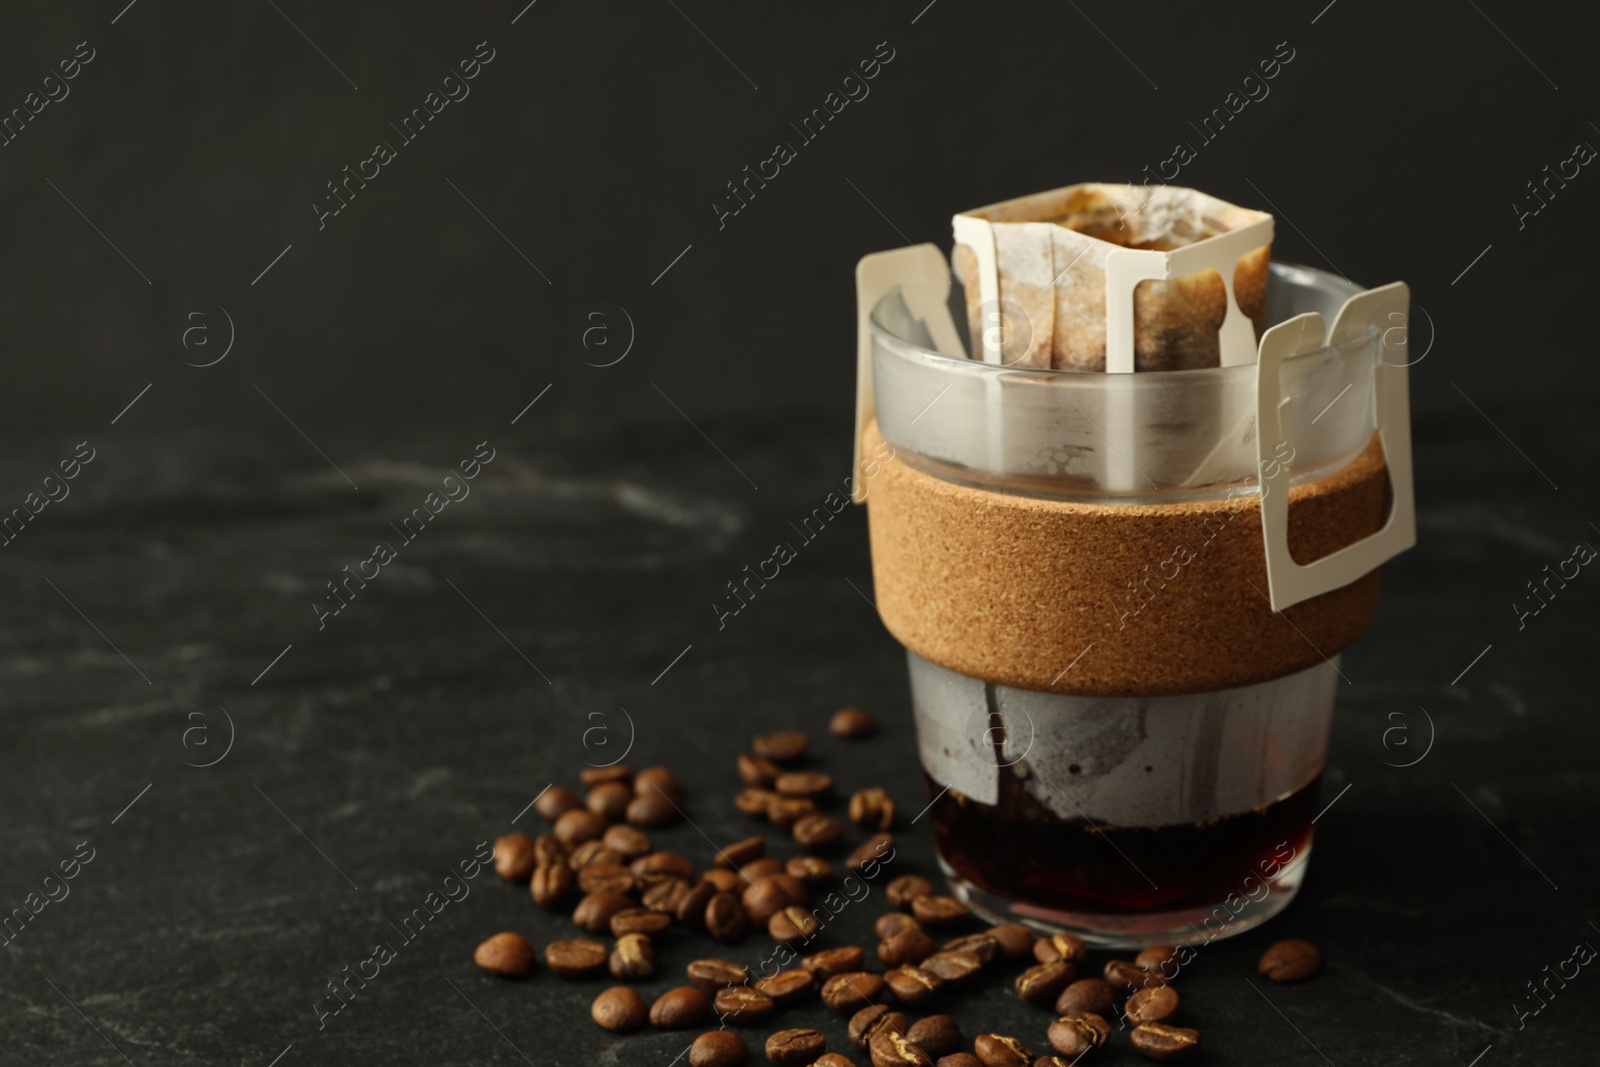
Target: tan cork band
(1011,589)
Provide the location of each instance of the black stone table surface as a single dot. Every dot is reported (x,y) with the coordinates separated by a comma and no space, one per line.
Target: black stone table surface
(255,795)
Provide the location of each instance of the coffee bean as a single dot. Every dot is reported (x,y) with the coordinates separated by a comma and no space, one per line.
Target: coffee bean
(1077,1032)
(937,910)
(1085,995)
(795,1048)
(793,926)
(739,853)
(851,991)
(619,1009)
(514,857)
(756,802)
(594,911)
(712,975)
(626,841)
(609,800)
(691,910)
(906,888)
(605,878)
(872,809)
(787,988)
(817,832)
(913,986)
(998,1050)
(593,776)
(548,851)
(813,785)
(852,723)
(1016,940)
(832,961)
(1290,961)
(811,870)
(651,809)
(666,895)
(725,881)
(986,947)
(959,1059)
(552,886)
(633,958)
(1124,977)
(757,771)
(679,1009)
(725,918)
(870,1020)
(910,946)
(784,746)
(953,965)
(890,1049)
(742,1006)
(1060,947)
(784,812)
(663,863)
(892,922)
(591,852)
(766,896)
(556,802)
(833,1059)
(1158,958)
(1163,1043)
(878,848)
(639,921)
(507,955)
(579,825)
(576,957)
(1043,982)
(1152,1005)
(755,870)
(937,1035)
(657,780)
(719,1048)
(1053,1061)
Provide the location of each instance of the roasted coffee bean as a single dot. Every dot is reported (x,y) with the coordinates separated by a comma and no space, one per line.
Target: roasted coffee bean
(739,853)
(609,800)
(817,832)
(1077,1032)
(1085,995)
(639,921)
(872,809)
(548,851)
(712,975)
(892,922)
(665,895)
(552,886)
(575,957)
(1152,1005)
(953,965)
(879,848)
(1060,947)
(890,1049)
(579,825)
(811,870)
(1159,958)
(832,961)
(905,947)
(1290,961)
(833,1059)
(507,955)
(725,918)
(605,878)
(937,910)
(768,895)
(784,746)
(1053,1061)
(814,785)
(755,870)
(514,857)
(1124,977)
(852,723)
(633,958)
(556,802)
(594,911)
(870,1020)
(1163,1043)
(593,776)
(757,772)
(959,1059)
(937,1035)
(795,1048)
(691,909)
(742,1006)
(719,1048)
(986,947)
(784,812)
(653,780)
(906,888)
(592,852)
(725,881)
(998,1050)
(679,1009)
(913,986)
(651,809)
(793,926)
(787,988)
(851,991)
(619,1009)
(1016,940)
(755,802)
(626,841)
(663,863)
(1043,982)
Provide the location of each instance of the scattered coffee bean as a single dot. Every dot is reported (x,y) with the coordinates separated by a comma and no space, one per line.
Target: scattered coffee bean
(666,895)
(851,991)
(670,863)
(593,776)
(866,1023)
(609,800)
(1077,1032)
(1152,1005)
(691,910)
(579,825)
(739,853)
(556,802)
(506,954)
(757,869)
(852,723)
(910,946)
(725,918)
(657,780)
(959,1059)
(1159,958)
(1085,995)
(576,957)
(592,852)
(1016,940)
(1043,982)
(514,857)
(594,911)
(833,1059)
(813,785)
(652,808)
(765,897)
(639,921)
(743,1006)
(795,1048)
(1053,1061)
(787,988)
(953,965)
(784,812)
(812,870)
(712,975)
(633,958)
(938,910)
(890,1049)
(913,986)
(627,842)
(892,922)
(937,1035)
(998,1050)
(832,961)
(872,809)
(986,947)
(548,851)
(719,1048)
(783,746)
(619,1009)
(552,886)
(725,881)
(757,771)
(793,926)
(1163,1043)
(906,888)
(1290,961)
(817,832)
(1124,977)
(878,848)
(605,878)
(1060,947)
(679,1009)
(756,802)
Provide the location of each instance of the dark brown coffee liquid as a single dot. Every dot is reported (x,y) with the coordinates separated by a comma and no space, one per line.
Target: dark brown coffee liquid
(1021,850)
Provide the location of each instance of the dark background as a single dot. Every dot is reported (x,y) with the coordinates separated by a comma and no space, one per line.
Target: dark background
(369,757)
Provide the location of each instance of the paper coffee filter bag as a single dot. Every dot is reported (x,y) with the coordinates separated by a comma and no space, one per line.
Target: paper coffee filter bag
(1050,255)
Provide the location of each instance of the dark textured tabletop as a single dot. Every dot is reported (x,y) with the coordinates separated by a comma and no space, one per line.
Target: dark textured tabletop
(257,792)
